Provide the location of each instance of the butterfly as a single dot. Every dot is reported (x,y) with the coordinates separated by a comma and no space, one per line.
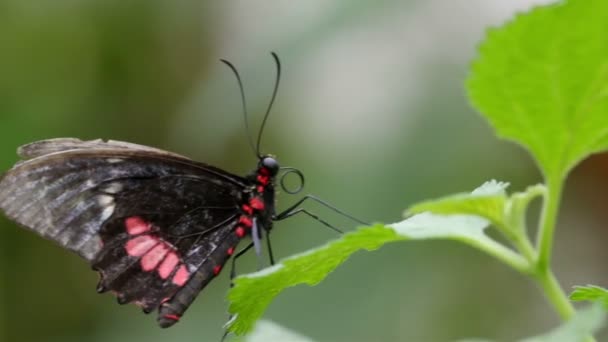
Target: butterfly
(156,225)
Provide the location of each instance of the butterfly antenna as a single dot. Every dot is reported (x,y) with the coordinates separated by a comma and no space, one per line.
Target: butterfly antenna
(245,115)
(274,95)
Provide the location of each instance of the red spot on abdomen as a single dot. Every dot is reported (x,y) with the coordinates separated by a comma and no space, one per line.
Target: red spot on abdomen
(247,209)
(167,266)
(140,245)
(151,259)
(262,179)
(230,250)
(245,221)
(136,225)
(256,203)
(181,276)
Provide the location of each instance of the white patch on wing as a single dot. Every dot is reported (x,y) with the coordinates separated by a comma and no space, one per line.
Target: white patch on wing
(107,212)
(105,200)
(113,188)
(114,160)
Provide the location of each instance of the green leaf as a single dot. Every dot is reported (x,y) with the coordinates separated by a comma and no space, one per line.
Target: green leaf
(487,201)
(253,292)
(586,322)
(270,331)
(542,80)
(491,202)
(590,293)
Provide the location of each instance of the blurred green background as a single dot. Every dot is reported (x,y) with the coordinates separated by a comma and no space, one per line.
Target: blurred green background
(371,108)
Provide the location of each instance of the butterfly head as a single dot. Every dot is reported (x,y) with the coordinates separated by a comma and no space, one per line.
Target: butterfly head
(270,164)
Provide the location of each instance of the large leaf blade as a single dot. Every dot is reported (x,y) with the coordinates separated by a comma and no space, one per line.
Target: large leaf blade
(542,80)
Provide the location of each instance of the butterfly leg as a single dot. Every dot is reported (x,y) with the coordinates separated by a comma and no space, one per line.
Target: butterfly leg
(292,209)
(270,255)
(233,275)
(233,266)
(287,214)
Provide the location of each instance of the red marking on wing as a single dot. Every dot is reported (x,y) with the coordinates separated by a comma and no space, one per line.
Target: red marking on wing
(156,254)
(136,225)
(247,209)
(167,266)
(140,245)
(256,203)
(217,269)
(151,259)
(240,232)
(245,221)
(260,188)
(230,250)
(172,317)
(181,276)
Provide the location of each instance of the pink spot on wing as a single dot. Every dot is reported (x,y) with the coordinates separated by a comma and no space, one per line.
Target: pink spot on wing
(154,257)
(181,276)
(167,266)
(136,225)
(140,245)
(172,317)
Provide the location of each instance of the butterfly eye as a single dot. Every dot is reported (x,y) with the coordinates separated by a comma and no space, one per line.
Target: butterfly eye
(271,164)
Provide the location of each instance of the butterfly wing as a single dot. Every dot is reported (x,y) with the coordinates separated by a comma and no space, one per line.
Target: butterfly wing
(146,219)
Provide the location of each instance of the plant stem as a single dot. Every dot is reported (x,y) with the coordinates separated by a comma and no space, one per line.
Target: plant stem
(543,273)
(547,224)
(555,294)
(502,253)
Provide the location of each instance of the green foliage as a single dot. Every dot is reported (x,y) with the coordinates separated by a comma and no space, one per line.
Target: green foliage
(488,204)
(270,331)
(583,324)
(590,293)
(586,322)
(313,266)
(490,201)
(542,81)
(308,268)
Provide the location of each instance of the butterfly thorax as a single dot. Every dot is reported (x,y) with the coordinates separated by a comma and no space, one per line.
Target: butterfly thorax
(261,202)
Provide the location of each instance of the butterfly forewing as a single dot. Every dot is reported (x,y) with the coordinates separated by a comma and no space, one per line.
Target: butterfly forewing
(151,222)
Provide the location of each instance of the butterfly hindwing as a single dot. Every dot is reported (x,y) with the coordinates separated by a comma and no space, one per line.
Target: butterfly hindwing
(143,245)
(205,264)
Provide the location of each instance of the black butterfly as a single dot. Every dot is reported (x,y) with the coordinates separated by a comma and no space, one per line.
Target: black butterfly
(156,225)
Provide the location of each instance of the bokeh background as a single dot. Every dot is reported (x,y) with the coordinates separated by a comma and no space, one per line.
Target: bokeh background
(372,109)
